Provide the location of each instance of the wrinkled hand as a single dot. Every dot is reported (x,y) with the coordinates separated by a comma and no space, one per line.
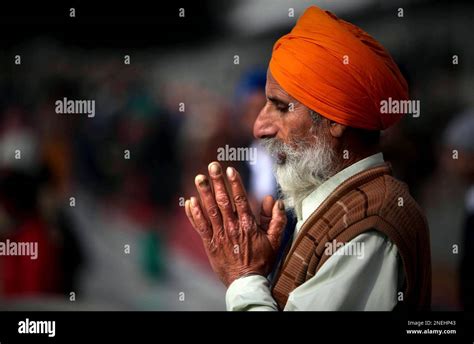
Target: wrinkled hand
(235,243)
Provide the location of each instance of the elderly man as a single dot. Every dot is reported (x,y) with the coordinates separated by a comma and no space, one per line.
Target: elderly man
(361,242)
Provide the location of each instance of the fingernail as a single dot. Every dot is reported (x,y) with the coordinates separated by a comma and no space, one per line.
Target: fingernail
(281,205)
(193,202)
(214,168)
(202,181)
(230,172)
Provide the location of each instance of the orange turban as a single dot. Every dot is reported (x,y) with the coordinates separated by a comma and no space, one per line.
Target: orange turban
(338,70)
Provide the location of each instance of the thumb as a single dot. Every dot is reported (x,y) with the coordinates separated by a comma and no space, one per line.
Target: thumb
(277,224)
(266,212)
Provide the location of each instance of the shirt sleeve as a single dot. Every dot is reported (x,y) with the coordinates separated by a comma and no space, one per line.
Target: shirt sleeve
(364,277)
(250,293)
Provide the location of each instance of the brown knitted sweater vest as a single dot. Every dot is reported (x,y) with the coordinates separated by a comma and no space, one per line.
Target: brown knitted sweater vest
(369,200)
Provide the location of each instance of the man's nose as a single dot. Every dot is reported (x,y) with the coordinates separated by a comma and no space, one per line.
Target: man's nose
(265,125)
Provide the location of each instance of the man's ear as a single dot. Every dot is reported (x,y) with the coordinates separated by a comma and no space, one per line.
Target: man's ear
(336,129)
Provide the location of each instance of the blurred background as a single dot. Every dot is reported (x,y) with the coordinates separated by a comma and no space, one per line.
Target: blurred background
(111,229)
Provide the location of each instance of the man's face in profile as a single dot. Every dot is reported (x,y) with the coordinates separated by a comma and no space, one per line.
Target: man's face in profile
(297,139)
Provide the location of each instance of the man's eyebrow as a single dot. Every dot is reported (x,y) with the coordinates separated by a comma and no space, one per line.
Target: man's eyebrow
(276,100)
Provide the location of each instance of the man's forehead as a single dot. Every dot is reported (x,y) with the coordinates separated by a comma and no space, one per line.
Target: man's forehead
(273,88)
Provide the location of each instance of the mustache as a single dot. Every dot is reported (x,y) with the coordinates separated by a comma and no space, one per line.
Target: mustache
(272,145)
(276,147)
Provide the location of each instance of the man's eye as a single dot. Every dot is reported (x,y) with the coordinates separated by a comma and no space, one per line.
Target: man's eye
(282,108)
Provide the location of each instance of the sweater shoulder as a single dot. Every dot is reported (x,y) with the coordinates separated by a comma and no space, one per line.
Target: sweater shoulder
(390,199)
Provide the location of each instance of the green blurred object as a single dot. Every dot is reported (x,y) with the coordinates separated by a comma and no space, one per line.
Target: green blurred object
(153,254)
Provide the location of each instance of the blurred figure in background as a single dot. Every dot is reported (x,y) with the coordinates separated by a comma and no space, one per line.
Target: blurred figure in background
(458,157)
(24,275)
(34,176)
(250,98)
(21,181)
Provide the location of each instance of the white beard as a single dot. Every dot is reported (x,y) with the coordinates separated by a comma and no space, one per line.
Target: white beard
(305,168)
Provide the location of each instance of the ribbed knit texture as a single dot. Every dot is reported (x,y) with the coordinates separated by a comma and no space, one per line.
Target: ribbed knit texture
(370,200)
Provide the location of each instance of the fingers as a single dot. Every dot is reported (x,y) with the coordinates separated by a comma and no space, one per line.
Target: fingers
(197,218)
(247,221)
(221,195)
(217,204)
(267,206)
(277,224)
(187,208)
(266,211)
(238,192)
(209,204)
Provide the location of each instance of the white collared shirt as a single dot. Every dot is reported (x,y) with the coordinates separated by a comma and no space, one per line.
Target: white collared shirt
(368,280)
